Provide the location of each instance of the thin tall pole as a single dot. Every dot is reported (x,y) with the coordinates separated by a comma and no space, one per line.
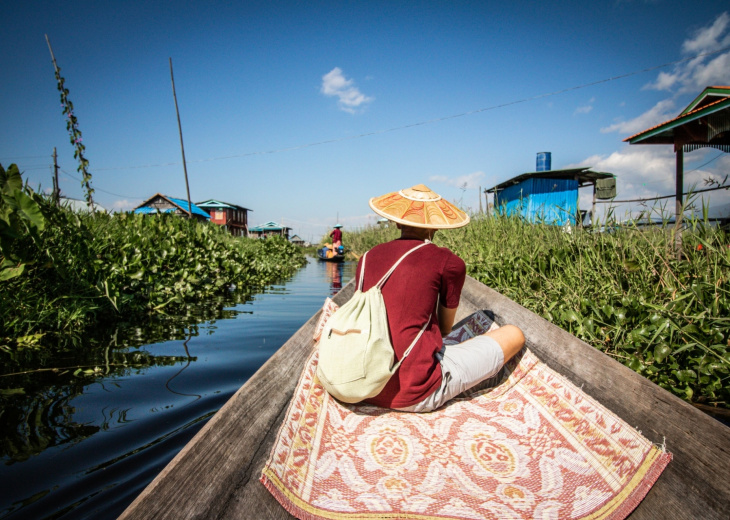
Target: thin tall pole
(56,188)
(593,207)
(678,201)
(182,146)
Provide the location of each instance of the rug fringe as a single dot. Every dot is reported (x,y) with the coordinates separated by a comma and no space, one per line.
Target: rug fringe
(642,489)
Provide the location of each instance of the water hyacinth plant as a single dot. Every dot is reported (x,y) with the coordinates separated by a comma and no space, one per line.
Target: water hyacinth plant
(623,291)
(64,272)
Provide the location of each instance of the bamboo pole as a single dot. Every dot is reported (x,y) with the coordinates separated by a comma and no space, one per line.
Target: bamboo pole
(678,200)
(182,146)
(56,188)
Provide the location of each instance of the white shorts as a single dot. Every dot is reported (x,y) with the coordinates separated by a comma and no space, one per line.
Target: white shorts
(463,366)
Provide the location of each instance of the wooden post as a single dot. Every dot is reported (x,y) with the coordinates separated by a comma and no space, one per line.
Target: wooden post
(182,146)
(480,200)
(56,189)
(679,205)
(593,209)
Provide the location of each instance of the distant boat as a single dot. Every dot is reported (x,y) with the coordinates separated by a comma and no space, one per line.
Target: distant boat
(326,254)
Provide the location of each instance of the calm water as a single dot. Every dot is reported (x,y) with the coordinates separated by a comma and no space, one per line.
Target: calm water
(77,449)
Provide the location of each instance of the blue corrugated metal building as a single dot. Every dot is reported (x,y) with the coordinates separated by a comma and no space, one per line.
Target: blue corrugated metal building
(550,197)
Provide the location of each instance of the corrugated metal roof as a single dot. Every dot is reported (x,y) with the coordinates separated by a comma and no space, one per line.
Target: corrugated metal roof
(269,226)
(213,203)
(663,133)
(583,174)
(179,203)
(183,204)
(146,210)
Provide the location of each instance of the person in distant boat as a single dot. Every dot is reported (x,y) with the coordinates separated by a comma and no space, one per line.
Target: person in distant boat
(336,235)
(425,289)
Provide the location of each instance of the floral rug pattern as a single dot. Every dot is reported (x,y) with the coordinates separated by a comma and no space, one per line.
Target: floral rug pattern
(534,446)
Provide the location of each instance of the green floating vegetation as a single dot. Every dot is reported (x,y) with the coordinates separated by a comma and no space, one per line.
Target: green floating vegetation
(62,273)
(622,290)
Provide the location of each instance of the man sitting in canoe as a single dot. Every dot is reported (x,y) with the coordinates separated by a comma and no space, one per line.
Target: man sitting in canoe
(433,276)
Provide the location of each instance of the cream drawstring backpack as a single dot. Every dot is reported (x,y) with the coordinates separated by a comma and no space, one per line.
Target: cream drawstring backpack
(356,358)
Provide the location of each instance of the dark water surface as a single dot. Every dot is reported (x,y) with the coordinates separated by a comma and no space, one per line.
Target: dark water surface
(75,447)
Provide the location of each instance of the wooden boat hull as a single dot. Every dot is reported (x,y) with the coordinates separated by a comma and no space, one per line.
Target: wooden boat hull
(218,470)
(336,258)
(322,255)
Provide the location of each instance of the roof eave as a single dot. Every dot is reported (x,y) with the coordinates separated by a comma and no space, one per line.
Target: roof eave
(676,122)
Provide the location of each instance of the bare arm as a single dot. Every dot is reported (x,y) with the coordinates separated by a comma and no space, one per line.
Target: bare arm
(446,319)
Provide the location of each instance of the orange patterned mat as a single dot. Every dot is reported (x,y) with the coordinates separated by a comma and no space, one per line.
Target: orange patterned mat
(534,446)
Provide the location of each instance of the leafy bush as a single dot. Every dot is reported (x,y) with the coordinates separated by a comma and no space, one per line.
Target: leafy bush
(61,272)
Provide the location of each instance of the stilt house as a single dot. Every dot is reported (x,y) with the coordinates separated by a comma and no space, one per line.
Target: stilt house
(269,229)
(232,217)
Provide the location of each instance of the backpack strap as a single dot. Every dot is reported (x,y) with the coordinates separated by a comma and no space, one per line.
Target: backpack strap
(362,271)
(380,285)
(413,344)
(385,277)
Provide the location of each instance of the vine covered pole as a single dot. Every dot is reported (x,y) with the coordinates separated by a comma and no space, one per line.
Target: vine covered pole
(182,147)
(72,125)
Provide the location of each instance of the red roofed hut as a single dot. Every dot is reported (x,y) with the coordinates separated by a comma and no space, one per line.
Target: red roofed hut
(704,123)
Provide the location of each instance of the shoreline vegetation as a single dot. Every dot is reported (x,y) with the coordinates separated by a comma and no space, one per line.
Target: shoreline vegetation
(622,290)
(64,274)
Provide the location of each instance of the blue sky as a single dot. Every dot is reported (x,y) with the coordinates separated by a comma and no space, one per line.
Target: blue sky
(302,111)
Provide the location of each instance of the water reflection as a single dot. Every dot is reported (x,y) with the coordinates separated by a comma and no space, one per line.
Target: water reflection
(335,272)
(187,353)
(83,430)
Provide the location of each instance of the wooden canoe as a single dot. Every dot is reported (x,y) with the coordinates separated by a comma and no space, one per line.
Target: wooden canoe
(217,474)
(339,257)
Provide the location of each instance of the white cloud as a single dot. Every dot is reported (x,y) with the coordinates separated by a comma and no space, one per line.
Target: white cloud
(585,108)
(649,171)
(350,98)
(698,73)
(125,205)
(662,111)
(715,72)
(709,38)
(466,182)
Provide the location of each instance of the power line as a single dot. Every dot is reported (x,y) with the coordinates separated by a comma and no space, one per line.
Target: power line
(105,191)
(436,120)
(25,157)
(708,162)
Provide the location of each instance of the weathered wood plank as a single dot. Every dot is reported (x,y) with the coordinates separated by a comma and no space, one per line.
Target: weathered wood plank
(216,475)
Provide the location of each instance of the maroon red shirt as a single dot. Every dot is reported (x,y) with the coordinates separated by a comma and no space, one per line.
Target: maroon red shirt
(336,235)
(410,295)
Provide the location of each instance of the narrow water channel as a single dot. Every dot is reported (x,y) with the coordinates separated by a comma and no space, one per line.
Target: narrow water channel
(86,449)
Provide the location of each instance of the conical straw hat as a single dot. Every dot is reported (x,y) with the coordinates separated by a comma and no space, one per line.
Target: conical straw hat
(419,207)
